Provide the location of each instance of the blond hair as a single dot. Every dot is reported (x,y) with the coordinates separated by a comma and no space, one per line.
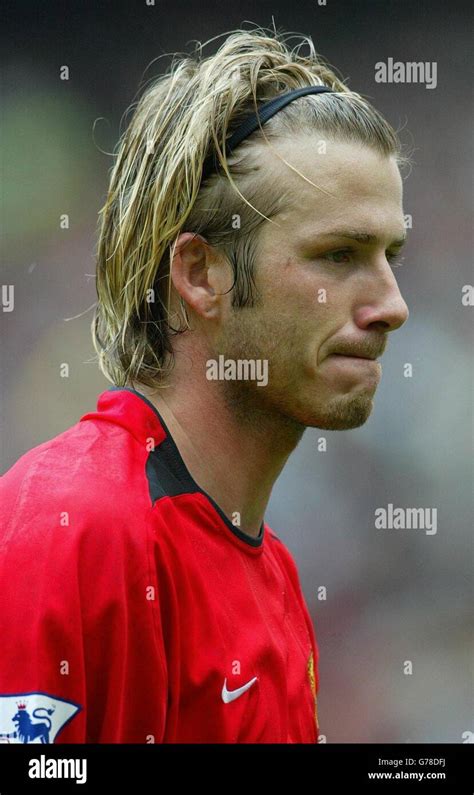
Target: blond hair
(156,191)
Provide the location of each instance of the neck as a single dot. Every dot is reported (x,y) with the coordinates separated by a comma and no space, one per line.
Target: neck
(232,449)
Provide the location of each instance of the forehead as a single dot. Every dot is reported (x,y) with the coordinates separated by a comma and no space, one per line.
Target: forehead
(347,184)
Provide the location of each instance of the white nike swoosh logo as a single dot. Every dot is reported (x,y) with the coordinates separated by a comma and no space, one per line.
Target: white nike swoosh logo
(231,695)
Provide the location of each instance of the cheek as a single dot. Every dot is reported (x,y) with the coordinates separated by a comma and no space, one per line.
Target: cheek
(302,307)
(294,287)
(308,303)
(294,326)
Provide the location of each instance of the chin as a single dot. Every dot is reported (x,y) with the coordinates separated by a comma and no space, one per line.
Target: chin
(342,414)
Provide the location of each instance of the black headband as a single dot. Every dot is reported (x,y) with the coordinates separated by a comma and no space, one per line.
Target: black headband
(255,120)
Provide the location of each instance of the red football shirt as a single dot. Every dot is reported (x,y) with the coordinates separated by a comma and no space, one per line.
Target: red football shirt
(132,609)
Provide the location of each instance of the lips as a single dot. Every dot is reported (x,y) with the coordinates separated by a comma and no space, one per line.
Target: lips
(355,356)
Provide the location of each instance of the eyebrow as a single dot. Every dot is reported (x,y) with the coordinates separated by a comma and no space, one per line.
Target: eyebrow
(362,237)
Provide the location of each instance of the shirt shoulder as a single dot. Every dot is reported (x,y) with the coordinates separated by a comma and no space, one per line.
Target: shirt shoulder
(88,473)
(285,558)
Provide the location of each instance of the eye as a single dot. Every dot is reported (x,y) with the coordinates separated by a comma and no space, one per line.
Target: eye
(394,258)
(342,256)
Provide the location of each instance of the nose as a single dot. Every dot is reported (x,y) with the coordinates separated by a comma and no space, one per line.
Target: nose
(382,307)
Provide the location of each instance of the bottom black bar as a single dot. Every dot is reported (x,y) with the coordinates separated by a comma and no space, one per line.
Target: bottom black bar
(156,768)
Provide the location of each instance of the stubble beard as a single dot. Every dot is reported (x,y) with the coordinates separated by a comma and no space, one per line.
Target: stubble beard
(278,404)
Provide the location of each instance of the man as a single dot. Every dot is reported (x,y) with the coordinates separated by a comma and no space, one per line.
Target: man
(245,293)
